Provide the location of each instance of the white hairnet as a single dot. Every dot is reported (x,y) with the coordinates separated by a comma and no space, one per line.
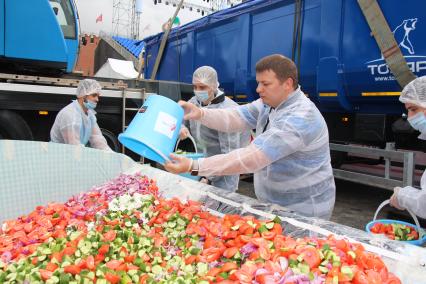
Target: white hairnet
(207,76)
(415,92)
(88,87)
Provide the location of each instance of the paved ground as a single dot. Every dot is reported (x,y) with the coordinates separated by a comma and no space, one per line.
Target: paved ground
(355,204)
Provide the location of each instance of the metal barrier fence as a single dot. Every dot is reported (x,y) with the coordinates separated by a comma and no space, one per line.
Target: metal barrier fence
(386,182)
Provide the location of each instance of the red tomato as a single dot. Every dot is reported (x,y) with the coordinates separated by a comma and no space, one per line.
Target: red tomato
(73,269)
(104,249)
(45,274)
(51,266)
(243,277)
(190,259)
(230,252)
(211,254)
(265,278)
(112,278)
(214,271)
(90,262)
(110,235)
(228,266)
(113,264)
(69,250)
(269,235)
(373,277)
(311,256)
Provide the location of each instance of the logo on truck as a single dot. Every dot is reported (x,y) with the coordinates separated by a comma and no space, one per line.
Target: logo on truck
(417,63)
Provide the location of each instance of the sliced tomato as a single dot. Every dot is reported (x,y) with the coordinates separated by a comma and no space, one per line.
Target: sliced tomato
(110,235)
(228,266)
(113,264)
(45,274)
(214,271)
(73,269)
(104,249)
(311,256)
(90,262)
(230,252)
(112,278)
(51,266)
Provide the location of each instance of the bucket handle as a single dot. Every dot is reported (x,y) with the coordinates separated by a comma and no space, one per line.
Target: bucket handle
(192,140)
(416,221)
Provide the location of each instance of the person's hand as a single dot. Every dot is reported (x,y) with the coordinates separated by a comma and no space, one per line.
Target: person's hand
(183,133)
(394,199)
(192,112)
(178,164)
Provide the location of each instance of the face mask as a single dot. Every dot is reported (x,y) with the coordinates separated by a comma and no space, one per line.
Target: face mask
(418,122)
(89,104)
(202,96)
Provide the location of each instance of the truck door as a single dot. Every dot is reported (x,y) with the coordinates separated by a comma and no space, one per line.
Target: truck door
(65,12)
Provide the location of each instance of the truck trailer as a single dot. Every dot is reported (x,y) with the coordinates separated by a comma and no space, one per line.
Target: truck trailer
(341,66)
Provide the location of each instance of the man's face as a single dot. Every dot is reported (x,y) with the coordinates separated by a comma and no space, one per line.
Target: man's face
(414,109)
(93,98)
(271,90)
(203,87)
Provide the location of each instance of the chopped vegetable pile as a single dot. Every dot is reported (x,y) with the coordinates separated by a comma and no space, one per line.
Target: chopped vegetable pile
(395,231)
(123,232)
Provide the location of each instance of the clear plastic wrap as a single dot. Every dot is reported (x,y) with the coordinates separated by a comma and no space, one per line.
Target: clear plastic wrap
(34,173)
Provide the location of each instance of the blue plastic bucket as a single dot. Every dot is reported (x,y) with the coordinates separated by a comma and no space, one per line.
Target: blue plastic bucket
(422,236)
(154,129)
(194,156)
(418,242)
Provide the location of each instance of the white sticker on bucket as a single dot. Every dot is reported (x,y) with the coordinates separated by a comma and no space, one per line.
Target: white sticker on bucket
(165,124)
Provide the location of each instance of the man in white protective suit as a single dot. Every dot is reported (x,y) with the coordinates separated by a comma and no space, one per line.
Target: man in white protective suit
(76,123)
(414,97)
(290,155)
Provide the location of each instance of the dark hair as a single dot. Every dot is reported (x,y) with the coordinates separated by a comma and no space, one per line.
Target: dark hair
(282,66)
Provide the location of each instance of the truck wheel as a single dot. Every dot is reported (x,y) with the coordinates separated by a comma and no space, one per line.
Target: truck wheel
(111,140)
(14,127)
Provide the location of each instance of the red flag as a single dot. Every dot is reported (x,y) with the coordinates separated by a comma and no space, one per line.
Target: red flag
(99,18)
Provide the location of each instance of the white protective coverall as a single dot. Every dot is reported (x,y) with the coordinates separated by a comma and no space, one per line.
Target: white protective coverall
(73,126)
(212,142)
(409,197)
(290,156)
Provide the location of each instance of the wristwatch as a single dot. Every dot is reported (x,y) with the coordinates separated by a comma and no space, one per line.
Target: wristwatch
(194,168)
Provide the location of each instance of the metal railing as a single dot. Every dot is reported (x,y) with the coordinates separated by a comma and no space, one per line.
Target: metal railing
(386,182)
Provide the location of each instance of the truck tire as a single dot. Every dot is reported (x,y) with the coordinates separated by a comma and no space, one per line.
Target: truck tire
(14,127)
(111,139)
(110,126)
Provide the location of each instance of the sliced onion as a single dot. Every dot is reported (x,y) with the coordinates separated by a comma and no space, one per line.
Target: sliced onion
(248,248)
(283,263)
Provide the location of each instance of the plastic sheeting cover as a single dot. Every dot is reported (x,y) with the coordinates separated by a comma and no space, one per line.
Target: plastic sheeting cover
(117,69)
(35,173)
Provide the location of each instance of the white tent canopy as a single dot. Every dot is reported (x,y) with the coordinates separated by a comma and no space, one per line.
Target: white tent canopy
(117,69)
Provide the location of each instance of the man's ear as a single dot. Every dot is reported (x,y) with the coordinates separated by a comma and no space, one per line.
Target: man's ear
(289,83)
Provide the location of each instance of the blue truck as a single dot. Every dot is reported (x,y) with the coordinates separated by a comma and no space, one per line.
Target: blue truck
(38,34)
(342,69)
(39,46)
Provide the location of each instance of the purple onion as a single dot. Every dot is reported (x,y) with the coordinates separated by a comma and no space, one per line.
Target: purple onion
(248,249)
(283,263)
(260,271)
(6,256)
(288,274)
(299,279)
